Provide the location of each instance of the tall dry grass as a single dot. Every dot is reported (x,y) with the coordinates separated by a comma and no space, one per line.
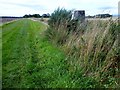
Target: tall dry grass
(92,47)
(95,47)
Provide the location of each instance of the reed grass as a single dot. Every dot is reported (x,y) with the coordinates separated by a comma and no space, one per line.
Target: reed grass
(92,47)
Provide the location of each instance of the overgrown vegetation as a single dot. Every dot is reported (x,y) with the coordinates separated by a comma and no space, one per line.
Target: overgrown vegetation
(91,47)
(85,55)
(30,61)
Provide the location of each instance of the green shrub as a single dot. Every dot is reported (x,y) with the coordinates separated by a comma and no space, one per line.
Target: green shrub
(58,22)
(59,17)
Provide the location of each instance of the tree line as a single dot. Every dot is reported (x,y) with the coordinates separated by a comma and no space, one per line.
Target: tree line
(37,15)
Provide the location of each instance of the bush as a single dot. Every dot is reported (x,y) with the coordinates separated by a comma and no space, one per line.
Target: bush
(57,31)
(59,17)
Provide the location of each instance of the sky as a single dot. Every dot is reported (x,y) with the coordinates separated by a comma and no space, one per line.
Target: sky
(91,7)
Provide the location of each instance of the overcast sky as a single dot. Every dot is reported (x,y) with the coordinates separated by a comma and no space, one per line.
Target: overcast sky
(22,7)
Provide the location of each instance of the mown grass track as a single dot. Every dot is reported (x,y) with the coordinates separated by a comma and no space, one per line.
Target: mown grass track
(28,60)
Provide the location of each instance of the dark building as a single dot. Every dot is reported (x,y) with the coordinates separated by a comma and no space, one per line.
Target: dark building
(103,15)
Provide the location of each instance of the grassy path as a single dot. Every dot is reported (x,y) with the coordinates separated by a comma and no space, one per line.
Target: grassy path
(28,59)
(31,61)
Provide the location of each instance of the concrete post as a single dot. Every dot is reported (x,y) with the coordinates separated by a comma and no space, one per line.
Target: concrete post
(79,15)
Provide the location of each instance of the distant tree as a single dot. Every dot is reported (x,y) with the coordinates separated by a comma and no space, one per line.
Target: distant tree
(34,15)
(30,15)
(25,16)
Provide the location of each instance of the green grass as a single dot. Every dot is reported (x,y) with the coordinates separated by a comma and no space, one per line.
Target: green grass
(28,60)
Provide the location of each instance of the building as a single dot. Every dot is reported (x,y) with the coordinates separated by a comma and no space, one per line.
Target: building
(103,15)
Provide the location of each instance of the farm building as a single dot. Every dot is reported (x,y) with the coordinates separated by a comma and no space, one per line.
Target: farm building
(78,15)
(103,15)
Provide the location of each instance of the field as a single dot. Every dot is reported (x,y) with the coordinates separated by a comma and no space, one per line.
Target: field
(35,55)
(7,19)
(113,18)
